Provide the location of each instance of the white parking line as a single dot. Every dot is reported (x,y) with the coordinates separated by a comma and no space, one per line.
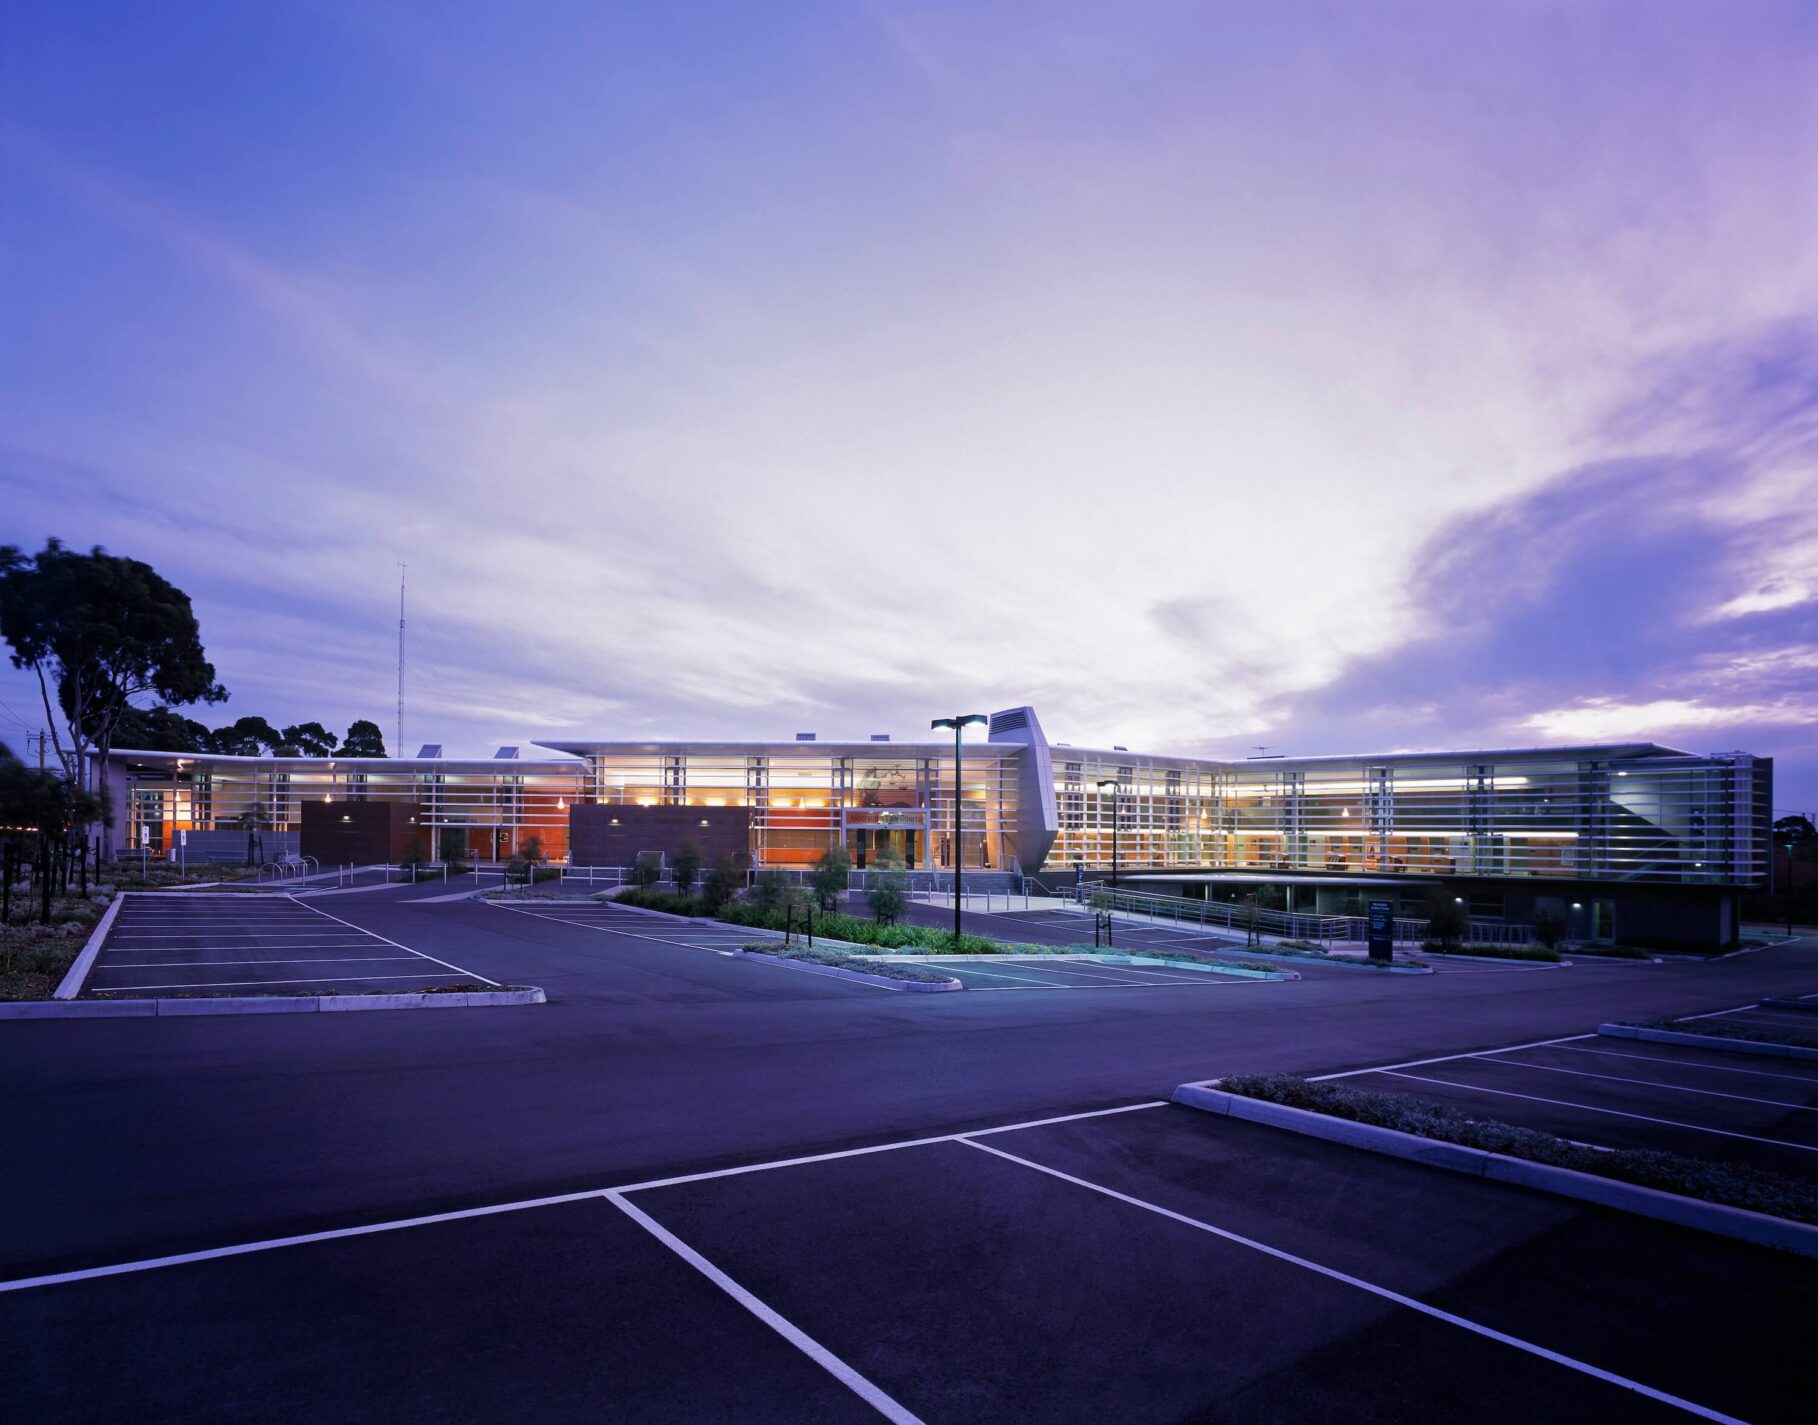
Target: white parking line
(871,1394)
(376,936)
(237,935)
(754,933)
(1385,1293)
(269,1244)
(1445,1058)
(217,964)
(1613,1112)
(1690,1064)
(963,970)
(164,949)
(1648,1083)
(235,984)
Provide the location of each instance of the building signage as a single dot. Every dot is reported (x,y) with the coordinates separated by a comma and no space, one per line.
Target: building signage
(1382,930)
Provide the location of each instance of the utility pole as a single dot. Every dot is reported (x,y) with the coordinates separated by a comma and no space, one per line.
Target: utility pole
(398,746)
(959,825)
(42,739)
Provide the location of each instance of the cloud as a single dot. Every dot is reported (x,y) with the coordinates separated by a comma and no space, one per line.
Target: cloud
(1645,596)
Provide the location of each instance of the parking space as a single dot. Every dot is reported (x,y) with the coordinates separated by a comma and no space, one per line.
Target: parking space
(1622,1093)
(711,935)
(1143,1264)
(185,945)
(1051,972)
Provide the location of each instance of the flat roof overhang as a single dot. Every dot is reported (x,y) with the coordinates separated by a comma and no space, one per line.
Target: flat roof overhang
(1265,878)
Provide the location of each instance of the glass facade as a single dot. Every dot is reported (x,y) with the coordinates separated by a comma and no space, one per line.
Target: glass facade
(1634,812)
(876,800)
(1613,813)
(478,810)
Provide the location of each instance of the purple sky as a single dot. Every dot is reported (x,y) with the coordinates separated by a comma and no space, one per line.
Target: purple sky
(1337,378)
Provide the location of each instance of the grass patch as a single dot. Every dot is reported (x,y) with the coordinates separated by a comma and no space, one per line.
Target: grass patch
(1496,952)
(33,957)
(888,969)
(1732,1184)
(1719,1029)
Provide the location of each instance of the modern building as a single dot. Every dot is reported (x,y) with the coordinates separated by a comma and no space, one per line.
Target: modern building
(1632,840)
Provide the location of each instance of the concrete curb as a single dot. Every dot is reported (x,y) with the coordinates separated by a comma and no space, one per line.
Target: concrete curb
(883,982)
(1707,1041)
(1809,1006)
(1502,960)
(1724,1221)
(263,1004)
(71,983)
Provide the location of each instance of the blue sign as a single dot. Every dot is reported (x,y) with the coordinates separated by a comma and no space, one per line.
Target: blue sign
(1382,930)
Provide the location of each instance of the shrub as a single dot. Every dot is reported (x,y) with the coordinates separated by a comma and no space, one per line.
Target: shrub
(1723,1029)
(669,902)
(722,884)
(685,866)
(1756,1189)
(1493,952)
(888,891)
(1549,924)
(830,877)
(771,889)
(1447,920)
(647,870)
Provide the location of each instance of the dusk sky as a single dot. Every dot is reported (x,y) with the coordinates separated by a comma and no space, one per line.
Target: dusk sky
(1335,378)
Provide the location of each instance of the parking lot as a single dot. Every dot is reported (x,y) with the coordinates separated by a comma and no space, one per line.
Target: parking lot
(248,944)
(1625,1093)
(589,914)
(1144,1264)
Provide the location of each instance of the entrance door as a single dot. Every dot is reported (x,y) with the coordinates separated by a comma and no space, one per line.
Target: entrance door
(870,846)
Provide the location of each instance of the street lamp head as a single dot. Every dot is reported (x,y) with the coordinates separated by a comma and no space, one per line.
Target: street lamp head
(1107,782)
(956,723)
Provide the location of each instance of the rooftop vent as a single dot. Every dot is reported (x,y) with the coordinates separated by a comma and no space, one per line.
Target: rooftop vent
(430,749)
(1009,721)
(1116,748)
(880,737)
(505,752)
(804,737)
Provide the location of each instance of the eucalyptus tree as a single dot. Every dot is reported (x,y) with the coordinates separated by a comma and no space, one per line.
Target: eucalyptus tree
(99,630)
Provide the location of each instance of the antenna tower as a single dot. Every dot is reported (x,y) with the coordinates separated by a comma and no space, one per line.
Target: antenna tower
(399,744)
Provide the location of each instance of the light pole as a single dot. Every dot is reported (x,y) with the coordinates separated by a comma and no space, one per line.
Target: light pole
(1111,782)
(959,834)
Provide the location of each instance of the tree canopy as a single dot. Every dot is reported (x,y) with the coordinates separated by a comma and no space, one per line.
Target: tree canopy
(363,740)
(100,630)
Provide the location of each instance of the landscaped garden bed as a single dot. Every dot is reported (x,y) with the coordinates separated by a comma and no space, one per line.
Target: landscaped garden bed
(34,957)
(1732,1184)
(1724,1029)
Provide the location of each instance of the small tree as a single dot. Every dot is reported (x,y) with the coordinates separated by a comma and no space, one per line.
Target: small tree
(1549,923)
(1447,920)
(722,883)
(525,860)
(647,870)
(887,892)
(685,866)
(831,874)
(769,890)
(412,858)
